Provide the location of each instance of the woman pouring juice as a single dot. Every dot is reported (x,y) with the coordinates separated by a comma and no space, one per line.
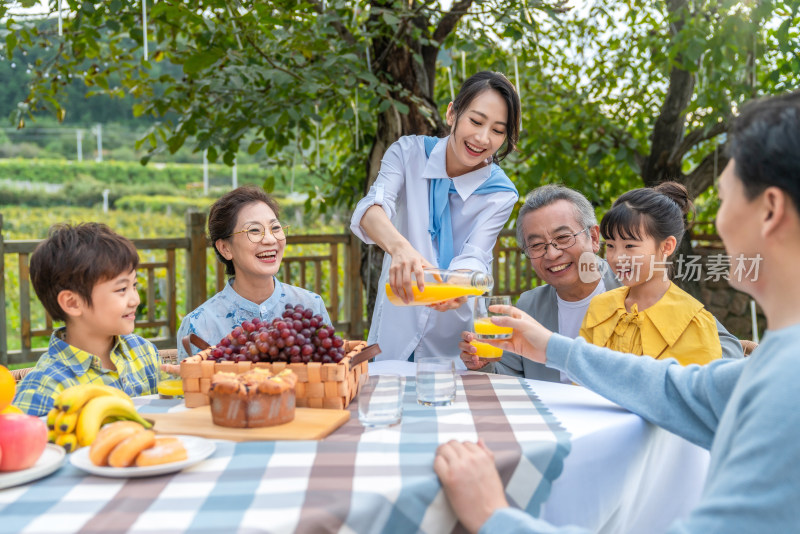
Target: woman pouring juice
(439,203)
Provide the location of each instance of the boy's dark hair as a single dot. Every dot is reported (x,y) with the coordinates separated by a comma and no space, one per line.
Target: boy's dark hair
(224,212)
(483,81)
(658,211)
(76,258)
(764,142)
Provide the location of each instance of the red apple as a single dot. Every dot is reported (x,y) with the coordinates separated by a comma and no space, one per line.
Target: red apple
(22,441)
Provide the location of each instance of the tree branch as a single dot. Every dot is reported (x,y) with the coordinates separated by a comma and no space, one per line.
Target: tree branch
(669,126)
(450,20)
(268,59)
(388,48)
(702,177)
(695,137)
(340,28)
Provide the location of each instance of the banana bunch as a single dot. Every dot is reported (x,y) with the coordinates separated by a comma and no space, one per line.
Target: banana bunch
(80,411)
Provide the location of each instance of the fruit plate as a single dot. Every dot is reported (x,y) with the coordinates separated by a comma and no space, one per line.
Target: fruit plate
(198,449)
(51,460)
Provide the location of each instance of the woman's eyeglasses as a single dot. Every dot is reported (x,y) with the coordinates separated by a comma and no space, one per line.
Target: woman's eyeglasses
(255,232)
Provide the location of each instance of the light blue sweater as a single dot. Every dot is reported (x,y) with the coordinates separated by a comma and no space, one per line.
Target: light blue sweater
(747,412)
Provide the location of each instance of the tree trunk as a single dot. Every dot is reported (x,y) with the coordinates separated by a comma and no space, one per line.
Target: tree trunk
(395,63)
(371,261)
(661,165)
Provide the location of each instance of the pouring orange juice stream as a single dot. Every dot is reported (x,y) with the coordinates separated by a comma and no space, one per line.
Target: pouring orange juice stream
(442,285)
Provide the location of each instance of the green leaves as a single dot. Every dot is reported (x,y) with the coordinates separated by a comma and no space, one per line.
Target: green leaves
(201,60)
(267,76)
(254,147)
(400,107)
(391,19)
(11,44)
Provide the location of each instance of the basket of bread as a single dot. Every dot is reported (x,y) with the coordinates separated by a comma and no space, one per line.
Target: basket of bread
(326,368)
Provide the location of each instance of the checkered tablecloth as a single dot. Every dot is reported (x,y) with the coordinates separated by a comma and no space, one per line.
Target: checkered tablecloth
(357,480)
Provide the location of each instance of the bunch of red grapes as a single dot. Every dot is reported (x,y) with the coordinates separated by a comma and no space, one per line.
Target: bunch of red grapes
(298,336)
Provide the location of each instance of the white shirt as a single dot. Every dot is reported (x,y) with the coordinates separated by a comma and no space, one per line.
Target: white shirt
(571,314)
(401,188)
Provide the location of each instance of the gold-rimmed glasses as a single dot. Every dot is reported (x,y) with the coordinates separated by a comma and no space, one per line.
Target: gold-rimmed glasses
(255,232)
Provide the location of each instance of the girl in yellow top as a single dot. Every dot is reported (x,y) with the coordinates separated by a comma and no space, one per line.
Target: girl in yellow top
(649,314)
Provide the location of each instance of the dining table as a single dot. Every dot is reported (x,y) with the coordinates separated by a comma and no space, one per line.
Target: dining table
(563,453)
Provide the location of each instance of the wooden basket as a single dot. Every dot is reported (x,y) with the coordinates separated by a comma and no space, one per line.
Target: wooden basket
(319,385)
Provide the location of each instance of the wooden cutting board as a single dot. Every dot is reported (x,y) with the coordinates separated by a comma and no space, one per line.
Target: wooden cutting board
(308,424)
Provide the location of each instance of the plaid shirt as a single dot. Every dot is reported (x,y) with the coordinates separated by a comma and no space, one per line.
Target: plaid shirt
(63,365)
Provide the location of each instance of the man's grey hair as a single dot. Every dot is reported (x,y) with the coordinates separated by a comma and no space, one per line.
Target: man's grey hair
(548,194)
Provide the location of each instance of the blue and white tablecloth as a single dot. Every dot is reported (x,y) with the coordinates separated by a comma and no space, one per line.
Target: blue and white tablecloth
(356,480)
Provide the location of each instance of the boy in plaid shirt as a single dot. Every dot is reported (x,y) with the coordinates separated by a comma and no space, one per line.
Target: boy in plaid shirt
(85,275)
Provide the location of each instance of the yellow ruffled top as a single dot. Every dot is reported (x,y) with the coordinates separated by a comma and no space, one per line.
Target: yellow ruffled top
(677,326)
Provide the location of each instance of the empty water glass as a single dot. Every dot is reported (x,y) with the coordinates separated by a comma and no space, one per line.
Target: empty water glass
(436,381)
(380,400)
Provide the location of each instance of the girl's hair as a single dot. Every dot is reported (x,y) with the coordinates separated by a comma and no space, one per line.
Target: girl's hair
(658,211)
(225,211)
(483,81)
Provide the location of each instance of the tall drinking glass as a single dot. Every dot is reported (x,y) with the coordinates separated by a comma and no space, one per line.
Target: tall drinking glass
(170,384)
(380,400)
(482,318)
(436,381)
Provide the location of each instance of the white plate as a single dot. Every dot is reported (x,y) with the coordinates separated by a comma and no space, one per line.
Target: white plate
(51,459)
(198,449)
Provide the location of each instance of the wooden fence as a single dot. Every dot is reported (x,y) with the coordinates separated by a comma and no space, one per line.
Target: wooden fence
(328,264)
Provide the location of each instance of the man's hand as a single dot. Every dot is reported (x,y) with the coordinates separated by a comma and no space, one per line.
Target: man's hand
(470,481)
(469,354)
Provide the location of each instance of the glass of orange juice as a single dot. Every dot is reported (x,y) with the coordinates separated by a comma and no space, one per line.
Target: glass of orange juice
(170,385)
(482,318)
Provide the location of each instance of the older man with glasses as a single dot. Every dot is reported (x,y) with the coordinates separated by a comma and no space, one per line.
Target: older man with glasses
(557,229)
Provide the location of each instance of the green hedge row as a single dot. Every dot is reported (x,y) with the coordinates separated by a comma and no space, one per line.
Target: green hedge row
(127,172)
(291,210)
(85,193)
(148,199)
(158,203)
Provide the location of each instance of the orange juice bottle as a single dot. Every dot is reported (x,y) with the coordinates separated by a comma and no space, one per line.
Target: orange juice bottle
(442,285)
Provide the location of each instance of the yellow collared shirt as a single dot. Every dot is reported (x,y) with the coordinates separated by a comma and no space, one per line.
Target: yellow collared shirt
(677,326)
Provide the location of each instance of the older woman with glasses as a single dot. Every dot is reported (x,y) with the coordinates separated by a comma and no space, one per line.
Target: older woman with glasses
(249,240)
